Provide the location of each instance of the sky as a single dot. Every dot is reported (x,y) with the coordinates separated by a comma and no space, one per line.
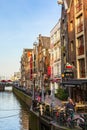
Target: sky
(21,22)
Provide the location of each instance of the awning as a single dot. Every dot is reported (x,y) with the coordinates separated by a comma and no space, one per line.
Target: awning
(74,82)
(55,80)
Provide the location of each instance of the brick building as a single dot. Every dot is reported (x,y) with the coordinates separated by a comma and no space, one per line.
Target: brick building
(77,46)
(43,58)
(77,17)
(26,67)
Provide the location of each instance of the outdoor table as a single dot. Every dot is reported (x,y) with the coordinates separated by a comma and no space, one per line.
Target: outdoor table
(64,102)
(80,106)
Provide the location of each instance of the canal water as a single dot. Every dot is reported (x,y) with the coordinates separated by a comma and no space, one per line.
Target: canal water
(14,114)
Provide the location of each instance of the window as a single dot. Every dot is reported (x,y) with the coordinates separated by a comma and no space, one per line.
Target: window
(80,45)
(80,41)
(72,46)
(71,25)
(56,54)
(82,68)
(80,19)
(80,24)
(73,63)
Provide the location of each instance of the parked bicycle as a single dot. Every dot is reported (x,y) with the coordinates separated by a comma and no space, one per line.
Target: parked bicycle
(82,121)
(70,121)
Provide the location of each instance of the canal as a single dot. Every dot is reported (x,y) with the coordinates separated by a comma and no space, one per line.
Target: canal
(14,114)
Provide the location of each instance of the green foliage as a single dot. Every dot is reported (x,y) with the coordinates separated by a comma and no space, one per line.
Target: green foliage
(62,94)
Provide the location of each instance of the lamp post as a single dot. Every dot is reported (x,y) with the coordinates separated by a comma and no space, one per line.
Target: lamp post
(35,44)
(36,52)
(42,99)
(34,68)
(33,95)
(42,85)
(43,73)
(53,93)
(34,77)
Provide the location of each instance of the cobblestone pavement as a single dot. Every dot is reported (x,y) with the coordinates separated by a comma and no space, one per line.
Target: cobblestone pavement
(49,100)
(57,103)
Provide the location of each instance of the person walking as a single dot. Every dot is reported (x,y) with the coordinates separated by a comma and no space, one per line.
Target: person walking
(70,108)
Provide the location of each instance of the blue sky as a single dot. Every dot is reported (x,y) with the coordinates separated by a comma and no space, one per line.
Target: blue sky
(21,21)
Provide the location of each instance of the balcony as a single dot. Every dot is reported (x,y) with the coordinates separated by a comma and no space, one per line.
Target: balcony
(80,28)
(78,7)
(81,50)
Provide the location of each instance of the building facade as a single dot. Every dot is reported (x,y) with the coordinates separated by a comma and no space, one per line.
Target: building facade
(77,47)
(64,35)
(25,68)
(43,60)
(55,59)
(77,18)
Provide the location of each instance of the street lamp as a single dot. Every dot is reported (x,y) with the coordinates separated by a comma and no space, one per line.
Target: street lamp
(43,73)
(35,44)
(34,77)
(42,99)
(53,93)
(42,84)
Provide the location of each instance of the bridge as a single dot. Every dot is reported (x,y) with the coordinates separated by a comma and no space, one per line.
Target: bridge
(4,84)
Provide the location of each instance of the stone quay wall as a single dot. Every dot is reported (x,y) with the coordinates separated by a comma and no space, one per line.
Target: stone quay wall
(24,97)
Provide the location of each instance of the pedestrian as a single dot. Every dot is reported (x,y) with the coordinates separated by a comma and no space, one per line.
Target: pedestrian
(70,104)
(70,107)
(52,105)
(39,98)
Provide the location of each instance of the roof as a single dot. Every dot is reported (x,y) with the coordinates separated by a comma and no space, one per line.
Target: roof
(45,41)
(68,2)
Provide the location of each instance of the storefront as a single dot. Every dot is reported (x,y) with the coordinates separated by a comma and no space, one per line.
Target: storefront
(77,89)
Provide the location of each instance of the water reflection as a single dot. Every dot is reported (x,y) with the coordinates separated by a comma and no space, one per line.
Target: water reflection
(14,114)
(8,88)
(24,120)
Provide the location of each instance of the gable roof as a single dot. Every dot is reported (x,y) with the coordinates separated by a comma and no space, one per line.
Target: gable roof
(45,41)
(68,2)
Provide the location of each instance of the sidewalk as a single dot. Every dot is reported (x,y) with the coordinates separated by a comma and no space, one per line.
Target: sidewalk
(56,101)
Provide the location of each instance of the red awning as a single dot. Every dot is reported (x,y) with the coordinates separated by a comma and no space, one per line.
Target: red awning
(3,80)
(9,81)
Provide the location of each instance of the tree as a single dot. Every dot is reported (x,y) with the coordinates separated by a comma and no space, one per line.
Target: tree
(62,94)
